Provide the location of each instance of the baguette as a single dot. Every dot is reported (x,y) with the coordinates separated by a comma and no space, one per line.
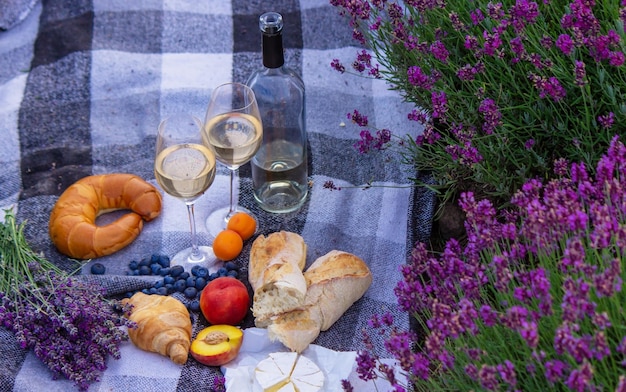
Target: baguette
(335,281)
(275,274)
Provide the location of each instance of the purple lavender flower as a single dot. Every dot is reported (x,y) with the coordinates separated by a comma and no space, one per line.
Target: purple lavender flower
(439,51)
(477,16)
(507,373)
(492,43)
(439,104)
(488,377)
(565,44)
(555,370)
(418,78)
(358,118)
(579,379)
(364,145)
(72,332)
(616,58)
(491,115)
(471,43)
(366,365)
(400,345)
(523,13)
(336,65)
(606,120)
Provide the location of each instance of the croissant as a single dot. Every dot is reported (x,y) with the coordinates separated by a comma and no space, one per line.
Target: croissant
(163,325)
(72,225)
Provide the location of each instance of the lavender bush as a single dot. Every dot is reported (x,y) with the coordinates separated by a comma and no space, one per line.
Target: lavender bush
(504,89)
(532,302)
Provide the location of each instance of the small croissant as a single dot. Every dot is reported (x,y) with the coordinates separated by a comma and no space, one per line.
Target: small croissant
(163,325)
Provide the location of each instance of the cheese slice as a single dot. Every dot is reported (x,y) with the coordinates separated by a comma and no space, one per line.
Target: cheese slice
(289,372)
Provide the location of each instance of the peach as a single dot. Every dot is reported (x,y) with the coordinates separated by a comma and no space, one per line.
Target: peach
(225,300)
(217,345)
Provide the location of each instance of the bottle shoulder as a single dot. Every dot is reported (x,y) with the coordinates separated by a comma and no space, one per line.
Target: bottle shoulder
(275,76)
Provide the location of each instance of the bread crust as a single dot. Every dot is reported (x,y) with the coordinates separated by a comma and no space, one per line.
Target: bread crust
(275,274)
(335,281)
(72,224)
(269,253)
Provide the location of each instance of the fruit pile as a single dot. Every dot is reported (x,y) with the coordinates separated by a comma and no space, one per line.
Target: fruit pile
(228,243)
(176,279)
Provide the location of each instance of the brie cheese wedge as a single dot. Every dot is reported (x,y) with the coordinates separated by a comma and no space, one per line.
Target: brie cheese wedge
(288,372)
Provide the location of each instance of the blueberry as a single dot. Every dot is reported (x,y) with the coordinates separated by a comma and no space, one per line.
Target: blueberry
(213,276)
(169,280)
(170,288)
(145,262)
(144,270)
(129,294)
(152,290)
(176,270)
(155,268)
(164,260)
(191,292)
(180,286)
(200,283)
(164,271)
(154,258)
(202,272)
(133,265)
(159,283)
(135,272)
(162,291)
(190,281)
(194,270)
(98,269)
(229,265)
(222,271)
(233,273)
(146,291)
(194,305)
(184,275)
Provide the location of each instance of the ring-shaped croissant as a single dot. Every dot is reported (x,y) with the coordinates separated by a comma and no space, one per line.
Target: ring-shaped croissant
(72,225)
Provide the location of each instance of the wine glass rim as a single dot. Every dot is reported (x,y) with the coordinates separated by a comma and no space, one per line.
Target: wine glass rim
(248,91)
(179,114)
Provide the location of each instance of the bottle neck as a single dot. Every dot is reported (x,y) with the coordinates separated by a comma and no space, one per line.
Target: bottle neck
(273,51)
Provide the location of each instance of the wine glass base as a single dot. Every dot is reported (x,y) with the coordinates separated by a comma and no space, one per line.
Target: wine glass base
(218,219)
(207,259)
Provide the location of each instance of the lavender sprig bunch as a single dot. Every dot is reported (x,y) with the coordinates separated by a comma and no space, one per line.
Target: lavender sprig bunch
(532,302)
(67,322)
(502,88)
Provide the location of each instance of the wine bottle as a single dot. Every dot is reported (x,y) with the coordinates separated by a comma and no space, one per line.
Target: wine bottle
(279,168)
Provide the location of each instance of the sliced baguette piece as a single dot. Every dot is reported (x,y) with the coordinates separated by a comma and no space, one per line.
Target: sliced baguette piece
(275,274)
(335,282)
(296,329)
(269,252)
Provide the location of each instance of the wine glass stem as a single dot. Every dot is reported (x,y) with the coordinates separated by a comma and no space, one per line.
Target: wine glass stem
(195,252)
(231,210)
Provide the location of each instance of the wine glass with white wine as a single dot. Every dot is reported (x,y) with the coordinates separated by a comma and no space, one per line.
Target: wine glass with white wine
(185,168)
(234,131)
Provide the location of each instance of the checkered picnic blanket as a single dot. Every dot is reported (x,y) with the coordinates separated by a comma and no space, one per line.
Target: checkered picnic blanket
(83,86)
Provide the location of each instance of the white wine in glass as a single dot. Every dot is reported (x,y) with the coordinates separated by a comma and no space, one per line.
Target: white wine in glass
(234,131)
(185,168)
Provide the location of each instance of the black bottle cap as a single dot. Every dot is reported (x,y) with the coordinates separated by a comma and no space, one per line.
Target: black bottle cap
(271,25)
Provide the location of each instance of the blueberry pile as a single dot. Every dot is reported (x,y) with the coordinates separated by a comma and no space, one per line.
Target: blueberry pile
(176,279)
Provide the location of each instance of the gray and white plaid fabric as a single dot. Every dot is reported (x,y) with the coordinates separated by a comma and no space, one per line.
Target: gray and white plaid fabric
(83,85)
